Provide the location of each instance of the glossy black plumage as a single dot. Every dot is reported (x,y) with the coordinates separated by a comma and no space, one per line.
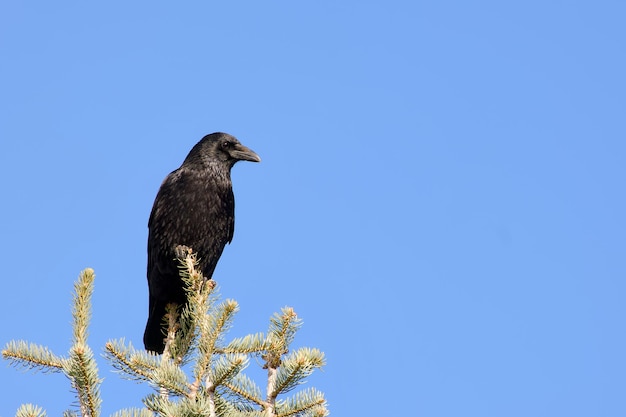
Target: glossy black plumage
(194,207)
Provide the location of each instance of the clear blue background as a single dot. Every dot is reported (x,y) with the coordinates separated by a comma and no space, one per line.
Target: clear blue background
(441,196)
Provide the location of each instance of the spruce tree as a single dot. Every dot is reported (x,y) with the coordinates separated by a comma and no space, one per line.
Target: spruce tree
(199,373)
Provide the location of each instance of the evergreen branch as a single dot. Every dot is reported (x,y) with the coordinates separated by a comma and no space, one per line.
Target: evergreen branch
(195,283)
(237,413)
(227,367)
(195,331)
(133,412)
(228,407)
(187,407)
(81,367)
(185,335)
(171,319)
(81,311)
(159,405)
(133,364)
(252,343)
(200,300)
(170,377)
(216,324)
(187,265)
(82,370)
(211,329)
(282,330)
(281,333)
(242,387)
(32,356)
(295,367)
(305,403)
(30,410)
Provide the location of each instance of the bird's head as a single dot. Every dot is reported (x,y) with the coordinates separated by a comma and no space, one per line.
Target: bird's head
(220,148)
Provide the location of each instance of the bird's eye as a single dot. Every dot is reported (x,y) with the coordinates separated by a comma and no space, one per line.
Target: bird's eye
(226,144)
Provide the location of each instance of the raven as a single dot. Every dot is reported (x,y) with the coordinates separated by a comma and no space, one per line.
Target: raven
(195,207)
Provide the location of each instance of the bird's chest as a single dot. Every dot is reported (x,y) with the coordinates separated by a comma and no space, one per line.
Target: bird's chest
(191,210)
(210,203)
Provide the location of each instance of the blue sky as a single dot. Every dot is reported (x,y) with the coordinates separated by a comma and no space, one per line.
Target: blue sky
(441,196)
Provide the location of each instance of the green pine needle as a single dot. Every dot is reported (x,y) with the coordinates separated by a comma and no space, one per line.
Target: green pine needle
(30,410)
(296,367)
(31,356)
(81,313)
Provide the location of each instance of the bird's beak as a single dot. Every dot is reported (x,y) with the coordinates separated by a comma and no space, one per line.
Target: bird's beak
(243,153)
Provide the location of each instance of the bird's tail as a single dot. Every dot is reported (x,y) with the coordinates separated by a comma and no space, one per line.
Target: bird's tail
(154,336)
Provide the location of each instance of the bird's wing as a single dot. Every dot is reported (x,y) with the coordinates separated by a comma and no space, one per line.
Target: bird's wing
(231,217)
(162,270)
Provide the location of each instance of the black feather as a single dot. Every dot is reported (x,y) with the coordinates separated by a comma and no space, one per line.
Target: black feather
(194,207)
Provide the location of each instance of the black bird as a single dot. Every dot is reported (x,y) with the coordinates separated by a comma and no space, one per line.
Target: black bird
(194,207)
